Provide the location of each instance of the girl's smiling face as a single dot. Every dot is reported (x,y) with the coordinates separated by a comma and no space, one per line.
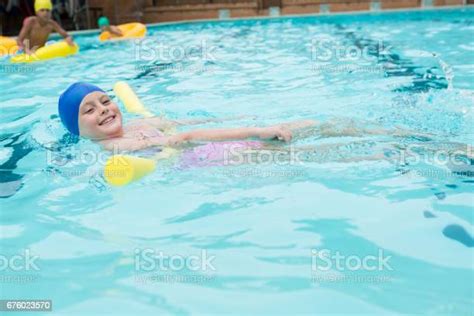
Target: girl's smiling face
(99,117)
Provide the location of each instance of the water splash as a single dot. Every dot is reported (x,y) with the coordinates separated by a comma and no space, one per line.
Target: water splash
(447,70)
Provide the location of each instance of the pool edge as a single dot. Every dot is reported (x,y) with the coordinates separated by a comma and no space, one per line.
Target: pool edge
(358,12)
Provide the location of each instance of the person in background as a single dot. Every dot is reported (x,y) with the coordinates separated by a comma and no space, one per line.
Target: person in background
(36,29)
(104,25)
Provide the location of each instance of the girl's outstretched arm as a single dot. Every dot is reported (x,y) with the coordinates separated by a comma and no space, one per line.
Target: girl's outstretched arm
(131,144)
(272,132)
(163,123)
(210,120)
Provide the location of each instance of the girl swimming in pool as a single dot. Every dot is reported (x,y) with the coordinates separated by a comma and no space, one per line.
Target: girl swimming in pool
(86,110)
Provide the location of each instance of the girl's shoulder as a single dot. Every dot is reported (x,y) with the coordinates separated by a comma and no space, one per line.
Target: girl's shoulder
(140,125)
(136,124)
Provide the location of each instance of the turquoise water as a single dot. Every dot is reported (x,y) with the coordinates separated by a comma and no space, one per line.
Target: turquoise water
(250,234)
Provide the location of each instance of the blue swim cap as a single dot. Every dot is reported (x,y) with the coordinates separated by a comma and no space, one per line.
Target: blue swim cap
(69,102)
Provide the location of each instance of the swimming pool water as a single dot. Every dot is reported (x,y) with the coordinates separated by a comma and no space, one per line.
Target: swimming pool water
(259,226)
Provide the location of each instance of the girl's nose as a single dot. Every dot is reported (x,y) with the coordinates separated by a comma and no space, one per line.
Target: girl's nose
(105,110)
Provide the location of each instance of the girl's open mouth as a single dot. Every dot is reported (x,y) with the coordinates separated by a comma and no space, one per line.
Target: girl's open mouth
(107,120)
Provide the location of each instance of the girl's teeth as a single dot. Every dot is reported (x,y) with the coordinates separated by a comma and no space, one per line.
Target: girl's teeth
(108,120)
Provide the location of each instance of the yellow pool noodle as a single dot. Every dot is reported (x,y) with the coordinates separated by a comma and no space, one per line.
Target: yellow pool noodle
(130,100)
(120,170)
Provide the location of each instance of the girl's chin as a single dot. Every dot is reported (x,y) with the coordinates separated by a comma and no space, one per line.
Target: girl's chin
(113,131)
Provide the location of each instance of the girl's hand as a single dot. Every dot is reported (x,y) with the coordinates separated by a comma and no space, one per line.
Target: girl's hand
(176,140)
(278,132)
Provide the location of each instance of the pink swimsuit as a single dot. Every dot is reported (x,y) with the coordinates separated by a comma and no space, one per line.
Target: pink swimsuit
(216,154)
(210,154)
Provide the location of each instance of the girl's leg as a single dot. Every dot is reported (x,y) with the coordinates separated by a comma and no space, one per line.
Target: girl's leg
(298,125)
(396,153)
(302,128)
(345,128)
(340,152)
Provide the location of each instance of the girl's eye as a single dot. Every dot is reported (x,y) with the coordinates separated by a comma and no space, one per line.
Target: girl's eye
(89,110)
(106,102)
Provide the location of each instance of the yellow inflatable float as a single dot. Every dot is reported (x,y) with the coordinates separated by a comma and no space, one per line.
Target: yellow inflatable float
(129,30)
(8,46)
(121,170)
(58,49)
